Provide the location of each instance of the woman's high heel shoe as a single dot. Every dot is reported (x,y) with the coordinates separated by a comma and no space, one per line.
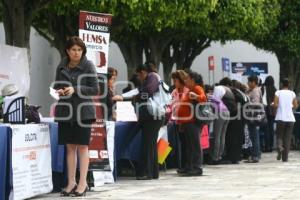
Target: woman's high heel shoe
(67,194)
(83,194)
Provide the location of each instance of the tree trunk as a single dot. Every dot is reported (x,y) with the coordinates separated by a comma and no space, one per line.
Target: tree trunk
(133,54)
(16,24)
(182,54)
(290,68)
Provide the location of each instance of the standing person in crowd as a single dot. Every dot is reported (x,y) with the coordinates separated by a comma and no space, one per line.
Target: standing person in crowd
(186,117)
(150,125)
(255,97)
(285,101)
(76,82)
(268,90)
(234,133)
(180,90)
(220,124)
(112,74)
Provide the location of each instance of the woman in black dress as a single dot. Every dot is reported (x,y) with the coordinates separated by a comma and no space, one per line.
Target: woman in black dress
(76,82)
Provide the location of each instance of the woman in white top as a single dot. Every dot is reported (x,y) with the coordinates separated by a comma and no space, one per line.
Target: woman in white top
(285,101)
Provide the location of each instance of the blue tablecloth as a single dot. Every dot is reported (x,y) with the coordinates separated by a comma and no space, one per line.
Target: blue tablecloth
(127,141)
(57,151)
(5,161)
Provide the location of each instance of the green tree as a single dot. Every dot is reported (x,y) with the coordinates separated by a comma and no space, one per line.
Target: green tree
(17,19)
(168,32)
(284,41)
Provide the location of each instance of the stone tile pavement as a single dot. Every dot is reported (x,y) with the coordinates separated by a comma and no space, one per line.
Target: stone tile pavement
(268,180)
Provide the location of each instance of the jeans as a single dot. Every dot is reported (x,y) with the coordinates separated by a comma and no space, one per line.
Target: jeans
(254,136)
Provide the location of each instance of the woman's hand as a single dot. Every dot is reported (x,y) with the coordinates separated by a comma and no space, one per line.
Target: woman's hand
(193,95)
(68,91)
(117,98)
(60,92)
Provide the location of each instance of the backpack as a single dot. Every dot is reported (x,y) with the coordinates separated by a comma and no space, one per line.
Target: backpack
(157,104)
(230,101)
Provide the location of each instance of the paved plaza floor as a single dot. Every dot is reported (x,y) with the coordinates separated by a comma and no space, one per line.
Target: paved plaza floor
(269,179)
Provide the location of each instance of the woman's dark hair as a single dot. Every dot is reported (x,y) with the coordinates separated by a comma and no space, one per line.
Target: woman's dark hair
(196,77)
(253,79)
(285,82)
(141,68)
(269,88)
(226,81)
(180,75)
(151,66)
(75,41)
(110,72)
(269,81)
(208,88)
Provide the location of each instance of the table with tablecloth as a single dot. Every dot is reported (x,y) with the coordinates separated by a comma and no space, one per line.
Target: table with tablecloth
(124,133)
(57,152)
(5,161)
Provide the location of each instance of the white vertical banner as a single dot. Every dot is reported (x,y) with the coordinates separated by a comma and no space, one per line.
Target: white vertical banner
(14,68)
(102,177)
(31,160)
(94,30)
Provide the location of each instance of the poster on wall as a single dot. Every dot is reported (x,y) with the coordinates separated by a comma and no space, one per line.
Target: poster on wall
(31,160)
(241,70)
(94,30)
(247,68)
(225,65)
(14,68)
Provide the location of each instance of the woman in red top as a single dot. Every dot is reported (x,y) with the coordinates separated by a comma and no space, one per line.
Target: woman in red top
(191,130)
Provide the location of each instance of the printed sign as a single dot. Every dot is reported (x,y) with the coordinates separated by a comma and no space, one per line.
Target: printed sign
(211,63)
(247,68)
(94,30)
(31,160)
(225,65)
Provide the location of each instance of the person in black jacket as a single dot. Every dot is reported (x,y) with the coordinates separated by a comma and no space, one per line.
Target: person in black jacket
(234,132)
(76,82)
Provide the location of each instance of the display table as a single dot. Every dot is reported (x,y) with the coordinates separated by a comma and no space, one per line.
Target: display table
(5,161)
(6,181)
(127,143)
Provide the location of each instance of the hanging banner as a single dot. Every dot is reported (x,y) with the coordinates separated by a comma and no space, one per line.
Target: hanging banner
(14,68)
(31,160)
(225,65)
(211,63)
(94,30)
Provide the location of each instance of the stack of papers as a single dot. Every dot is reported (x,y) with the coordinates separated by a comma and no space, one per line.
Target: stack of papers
(125,112)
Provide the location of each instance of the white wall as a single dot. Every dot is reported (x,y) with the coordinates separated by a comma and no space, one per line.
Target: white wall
(45,58)
(236,51)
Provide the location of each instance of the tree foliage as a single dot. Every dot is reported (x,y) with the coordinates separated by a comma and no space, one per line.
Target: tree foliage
(171,32)
(284,41)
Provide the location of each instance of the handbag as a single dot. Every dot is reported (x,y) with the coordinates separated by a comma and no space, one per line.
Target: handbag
(204,113)
(157,104)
